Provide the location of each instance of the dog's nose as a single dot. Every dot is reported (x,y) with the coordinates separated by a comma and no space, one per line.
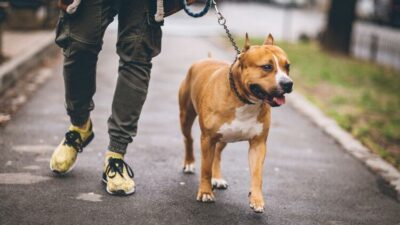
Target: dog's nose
(287,86)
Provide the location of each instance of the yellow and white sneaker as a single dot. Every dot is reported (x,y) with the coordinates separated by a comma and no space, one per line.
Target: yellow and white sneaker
(118,175)
(64,156)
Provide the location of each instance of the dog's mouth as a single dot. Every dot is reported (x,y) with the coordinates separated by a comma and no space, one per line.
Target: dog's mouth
(274,99)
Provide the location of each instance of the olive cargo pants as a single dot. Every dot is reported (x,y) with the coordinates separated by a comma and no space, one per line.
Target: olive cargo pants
(139,40)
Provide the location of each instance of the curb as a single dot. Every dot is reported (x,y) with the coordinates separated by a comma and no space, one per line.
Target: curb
(380,167)
(20,65)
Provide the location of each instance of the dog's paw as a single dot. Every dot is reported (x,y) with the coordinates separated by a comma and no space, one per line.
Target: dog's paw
(257,204)
(205,197)
(219,183)
(257,208)
(188,168)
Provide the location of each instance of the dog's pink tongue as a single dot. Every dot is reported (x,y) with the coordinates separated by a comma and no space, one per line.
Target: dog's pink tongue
(279,100)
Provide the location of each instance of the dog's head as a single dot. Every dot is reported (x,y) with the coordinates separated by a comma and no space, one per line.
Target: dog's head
(264,72)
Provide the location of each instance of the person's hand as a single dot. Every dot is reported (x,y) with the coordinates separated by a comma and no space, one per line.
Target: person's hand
(69,6)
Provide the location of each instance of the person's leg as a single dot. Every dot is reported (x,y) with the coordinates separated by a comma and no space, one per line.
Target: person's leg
(80,37)
(139,41)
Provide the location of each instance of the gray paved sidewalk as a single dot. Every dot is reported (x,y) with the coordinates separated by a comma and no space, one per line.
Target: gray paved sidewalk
(308,178)
(15,43)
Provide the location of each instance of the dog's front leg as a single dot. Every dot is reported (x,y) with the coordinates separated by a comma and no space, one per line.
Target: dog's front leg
(205,193)
(257,153)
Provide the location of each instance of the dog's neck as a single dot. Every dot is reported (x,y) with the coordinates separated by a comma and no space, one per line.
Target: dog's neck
(238,88)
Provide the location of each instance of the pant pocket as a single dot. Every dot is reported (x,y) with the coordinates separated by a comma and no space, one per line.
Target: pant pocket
(139,41)
(142,47)
(155,40)
(62,32)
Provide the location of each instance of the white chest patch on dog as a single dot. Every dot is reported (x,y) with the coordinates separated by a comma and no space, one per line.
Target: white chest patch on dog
(244,126)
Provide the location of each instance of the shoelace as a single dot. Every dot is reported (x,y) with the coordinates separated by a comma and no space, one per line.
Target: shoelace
(73,139)
(115,166)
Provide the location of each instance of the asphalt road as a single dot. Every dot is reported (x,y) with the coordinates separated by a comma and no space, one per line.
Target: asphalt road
(308,178)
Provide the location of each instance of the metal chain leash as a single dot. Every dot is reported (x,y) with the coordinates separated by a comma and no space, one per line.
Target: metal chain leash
(222,22)
(221,18)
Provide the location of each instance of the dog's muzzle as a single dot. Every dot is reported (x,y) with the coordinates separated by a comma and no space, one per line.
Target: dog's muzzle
(274,99)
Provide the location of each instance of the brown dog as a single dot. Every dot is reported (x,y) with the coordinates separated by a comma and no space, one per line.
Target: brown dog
(233,106)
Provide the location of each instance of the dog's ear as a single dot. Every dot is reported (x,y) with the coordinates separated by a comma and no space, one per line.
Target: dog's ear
(269,40)
(246,43)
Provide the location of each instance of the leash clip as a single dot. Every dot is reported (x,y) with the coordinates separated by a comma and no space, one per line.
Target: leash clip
(221,20)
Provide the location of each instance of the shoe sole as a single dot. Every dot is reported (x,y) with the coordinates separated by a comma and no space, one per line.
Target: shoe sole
(84,144)
(118,192)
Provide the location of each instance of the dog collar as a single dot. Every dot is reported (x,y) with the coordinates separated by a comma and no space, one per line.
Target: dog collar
(234,89)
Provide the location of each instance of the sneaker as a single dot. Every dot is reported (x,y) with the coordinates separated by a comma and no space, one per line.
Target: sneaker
(64,156)
(118,175)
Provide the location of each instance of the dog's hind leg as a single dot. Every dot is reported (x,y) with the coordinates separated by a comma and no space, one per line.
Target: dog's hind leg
(187,117)
(217,181)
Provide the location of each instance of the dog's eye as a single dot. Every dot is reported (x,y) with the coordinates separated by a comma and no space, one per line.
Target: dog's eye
(267,67)
(287,66)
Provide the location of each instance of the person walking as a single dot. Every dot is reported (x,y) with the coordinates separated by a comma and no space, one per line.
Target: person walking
(80,35)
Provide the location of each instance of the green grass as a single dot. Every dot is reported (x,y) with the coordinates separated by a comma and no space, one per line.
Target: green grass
(363,97)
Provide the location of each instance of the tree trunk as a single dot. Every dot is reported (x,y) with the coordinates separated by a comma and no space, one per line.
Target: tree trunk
(337,35)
